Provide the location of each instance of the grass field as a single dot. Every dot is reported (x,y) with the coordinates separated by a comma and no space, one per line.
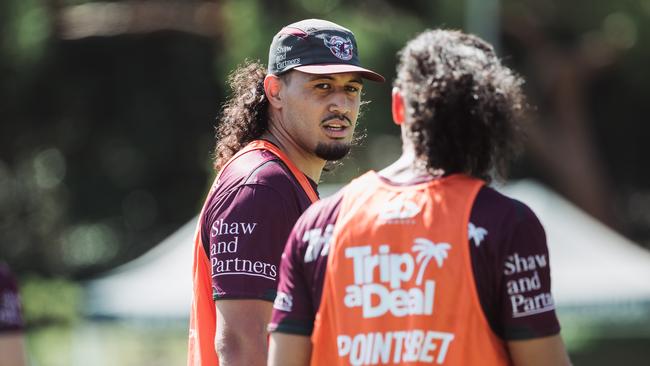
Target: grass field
(121,343)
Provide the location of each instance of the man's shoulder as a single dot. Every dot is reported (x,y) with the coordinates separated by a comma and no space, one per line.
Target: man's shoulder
(257,167)
(255,183)
(496,205)
(498,222)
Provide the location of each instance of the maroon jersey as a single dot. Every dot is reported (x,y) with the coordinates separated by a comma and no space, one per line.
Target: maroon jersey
(246,224)
(10,314)
(509,260)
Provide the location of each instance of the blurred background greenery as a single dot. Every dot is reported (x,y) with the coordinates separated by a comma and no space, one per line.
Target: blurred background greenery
(107,112)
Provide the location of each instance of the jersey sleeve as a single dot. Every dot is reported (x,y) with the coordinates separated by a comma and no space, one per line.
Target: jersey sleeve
(293,304)
(303,267)
(527,308)
(246,238)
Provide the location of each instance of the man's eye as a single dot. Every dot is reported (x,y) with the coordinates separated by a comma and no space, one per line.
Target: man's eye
(352,89)
(323,86)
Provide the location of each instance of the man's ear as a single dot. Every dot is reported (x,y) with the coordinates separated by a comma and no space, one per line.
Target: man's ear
(397,106)
(272,86)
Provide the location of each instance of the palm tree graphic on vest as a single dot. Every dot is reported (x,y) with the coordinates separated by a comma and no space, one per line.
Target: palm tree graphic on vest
(426,250)
(476,233)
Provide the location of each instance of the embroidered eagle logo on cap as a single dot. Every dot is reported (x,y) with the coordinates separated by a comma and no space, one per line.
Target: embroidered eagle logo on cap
(340,47)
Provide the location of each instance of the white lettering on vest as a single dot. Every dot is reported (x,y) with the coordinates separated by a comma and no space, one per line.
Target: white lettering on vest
(378,279)
(405,346)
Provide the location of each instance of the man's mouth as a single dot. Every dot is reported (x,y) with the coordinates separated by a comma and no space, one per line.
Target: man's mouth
(335,128)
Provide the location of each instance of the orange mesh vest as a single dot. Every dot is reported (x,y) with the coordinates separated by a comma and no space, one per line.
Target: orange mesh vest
(203,317)
(399,287)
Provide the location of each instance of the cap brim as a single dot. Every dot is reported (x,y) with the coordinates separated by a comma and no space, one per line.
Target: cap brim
(340,68)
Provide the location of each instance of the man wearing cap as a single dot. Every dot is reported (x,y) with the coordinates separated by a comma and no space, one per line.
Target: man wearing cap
(275,134)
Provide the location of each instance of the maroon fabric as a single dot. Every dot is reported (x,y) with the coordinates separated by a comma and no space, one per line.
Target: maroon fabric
(246,224)
(509,260)
(10,314)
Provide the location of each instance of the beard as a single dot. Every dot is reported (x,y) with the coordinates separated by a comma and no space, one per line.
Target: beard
(332,152)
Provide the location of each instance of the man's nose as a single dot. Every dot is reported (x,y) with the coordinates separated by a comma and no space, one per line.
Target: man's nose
(340,104)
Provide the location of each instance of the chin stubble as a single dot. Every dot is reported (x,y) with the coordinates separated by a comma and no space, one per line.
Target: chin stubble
(332,152)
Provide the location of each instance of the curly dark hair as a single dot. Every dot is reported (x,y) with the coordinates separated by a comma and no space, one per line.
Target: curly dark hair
(244,116)
(463,107)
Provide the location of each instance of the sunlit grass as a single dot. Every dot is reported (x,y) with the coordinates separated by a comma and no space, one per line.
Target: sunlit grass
(109,343)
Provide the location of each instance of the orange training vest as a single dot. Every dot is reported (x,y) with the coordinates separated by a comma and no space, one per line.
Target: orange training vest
(203,317)
(399,287)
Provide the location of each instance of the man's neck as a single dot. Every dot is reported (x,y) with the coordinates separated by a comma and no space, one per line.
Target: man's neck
(308,163)
(408,168)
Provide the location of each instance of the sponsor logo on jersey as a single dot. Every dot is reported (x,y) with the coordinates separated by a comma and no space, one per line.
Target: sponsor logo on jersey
(340,47)
(378,279)
(524,289)
(222,252)
(220,227)
(318,240)
(519,264)
(283,301)
(399,211)
(395,347)
(476,234)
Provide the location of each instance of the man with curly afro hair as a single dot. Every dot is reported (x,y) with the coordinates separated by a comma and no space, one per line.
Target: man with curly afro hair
(422,262)
(275,134)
